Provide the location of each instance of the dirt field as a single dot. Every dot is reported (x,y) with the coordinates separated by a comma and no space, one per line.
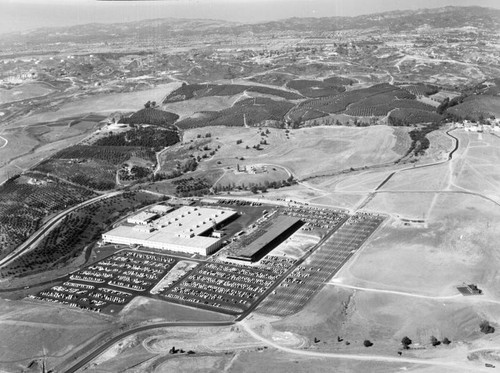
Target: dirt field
(296,245)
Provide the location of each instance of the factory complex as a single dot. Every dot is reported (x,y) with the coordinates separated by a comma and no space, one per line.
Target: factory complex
(188,229)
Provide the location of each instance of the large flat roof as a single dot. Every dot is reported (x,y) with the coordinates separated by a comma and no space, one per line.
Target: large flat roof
(189,220)
(160,236)
(281,224)
(180,227)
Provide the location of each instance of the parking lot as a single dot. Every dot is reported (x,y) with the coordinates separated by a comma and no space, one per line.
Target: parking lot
(227,288)
(309,277)
(316,217)
(108,285)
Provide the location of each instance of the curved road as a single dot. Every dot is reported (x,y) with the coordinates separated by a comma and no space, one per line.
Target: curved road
(92,355)
(5,142)
(38,235)
(366,357)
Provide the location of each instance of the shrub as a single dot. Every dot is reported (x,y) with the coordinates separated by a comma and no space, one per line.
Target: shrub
(486,328)
(435,341)
(406,342)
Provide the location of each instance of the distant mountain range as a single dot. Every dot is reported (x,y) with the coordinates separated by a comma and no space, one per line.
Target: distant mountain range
(396,21)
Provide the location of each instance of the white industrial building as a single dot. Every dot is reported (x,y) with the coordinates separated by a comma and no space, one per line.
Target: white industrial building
(181,230)
(142,218)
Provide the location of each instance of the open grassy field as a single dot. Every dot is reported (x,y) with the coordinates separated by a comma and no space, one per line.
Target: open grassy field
(58,332)
(24,92)
(406,282)
(29,331)
(420,179)
(355,182)
(305,152)
(475,168)
(413,205)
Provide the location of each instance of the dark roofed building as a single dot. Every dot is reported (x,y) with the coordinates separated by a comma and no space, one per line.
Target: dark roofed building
(282,228)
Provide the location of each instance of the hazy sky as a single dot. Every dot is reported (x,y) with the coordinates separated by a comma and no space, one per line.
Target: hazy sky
(18,15)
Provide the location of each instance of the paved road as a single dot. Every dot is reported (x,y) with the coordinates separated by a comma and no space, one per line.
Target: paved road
(92,355)
(39,235)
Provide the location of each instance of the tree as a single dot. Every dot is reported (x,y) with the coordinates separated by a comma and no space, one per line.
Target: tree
(367,343)
(434,341)
(443,106)
(406,342)
(486,328)
(446,341)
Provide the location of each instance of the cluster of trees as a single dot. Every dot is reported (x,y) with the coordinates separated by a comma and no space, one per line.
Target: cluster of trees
(447,103)
(406,342)
(207,135)
(255,187)
(190,165)
(146,137)
(190,187)
(151,115)
(419,141)
(134,173)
